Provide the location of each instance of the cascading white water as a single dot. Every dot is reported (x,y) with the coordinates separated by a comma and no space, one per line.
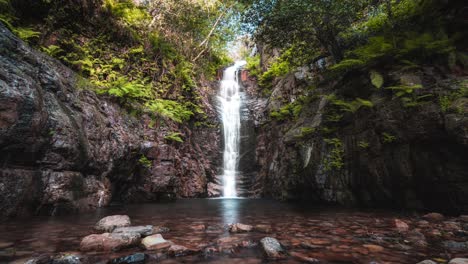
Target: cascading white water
(230,103)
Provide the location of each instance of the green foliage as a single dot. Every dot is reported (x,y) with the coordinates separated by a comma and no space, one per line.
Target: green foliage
(144,161)
(253,65)
(127,11)
(363,144)
(376,79)
(26,34)
(447,101)
(305,131)
(170,109)
(174,136)
(291,110)
(335,158)
(277,69)
(347,65)
(352,106)
(53,50)
(388,138)
(404,90)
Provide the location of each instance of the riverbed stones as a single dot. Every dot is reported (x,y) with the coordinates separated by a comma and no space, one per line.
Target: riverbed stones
(463,218)
(160,230)
(143,231)
(263,228)
(427,261)
(433,217)
(272,248)
(304,258)
(455,245)
(178,251)
(155,242)
(240,228)
(138,258)
(109,223)
(109,241)
(401,226)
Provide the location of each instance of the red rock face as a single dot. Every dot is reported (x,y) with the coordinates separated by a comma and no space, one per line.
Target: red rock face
(64,149)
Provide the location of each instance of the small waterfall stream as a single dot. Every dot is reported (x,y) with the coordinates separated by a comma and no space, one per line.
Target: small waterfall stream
(230,103)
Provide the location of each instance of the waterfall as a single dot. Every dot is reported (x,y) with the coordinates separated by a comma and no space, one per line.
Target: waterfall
(230,103)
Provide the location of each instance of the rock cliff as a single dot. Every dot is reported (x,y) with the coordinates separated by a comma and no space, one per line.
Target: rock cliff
(393,149)
(64,149)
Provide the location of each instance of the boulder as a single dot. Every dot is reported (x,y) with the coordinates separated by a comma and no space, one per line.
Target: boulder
(155,242)
(263,228)
(109,223)
(160,230)
(240,228)
(427,261)
(401,226)
(459,261)
(272,248)
(178,251)
(109,241)
(138,258)
(143,231)
(433,217)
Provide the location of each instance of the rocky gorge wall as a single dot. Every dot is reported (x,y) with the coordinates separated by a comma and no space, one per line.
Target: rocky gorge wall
(401,153)
(65,149)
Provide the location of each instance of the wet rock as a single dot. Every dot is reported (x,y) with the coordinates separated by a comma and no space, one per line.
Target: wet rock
(401,226)
(240,228)
(263,228)
(67,259)
(178,251)
(459,261)
(416,238)
(427,261)
(43,259)
(451,226)
(454,245)
(155,242)
(109,241)
(160,230)
(373,248)
(198,227)
(272,248)
(214,190)
(304,258)
(109,223)
(433,217)
(138,258)
(141,230)
(463,218)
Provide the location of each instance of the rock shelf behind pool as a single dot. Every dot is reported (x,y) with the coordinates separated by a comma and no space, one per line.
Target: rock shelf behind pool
(109,242)
(272,248)
(155,242)
(109,223)
(143,231)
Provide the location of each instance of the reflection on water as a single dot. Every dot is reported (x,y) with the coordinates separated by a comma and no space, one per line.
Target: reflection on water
(230,211)
(329,234)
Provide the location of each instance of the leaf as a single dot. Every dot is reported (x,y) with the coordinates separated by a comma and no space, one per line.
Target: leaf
(376,79)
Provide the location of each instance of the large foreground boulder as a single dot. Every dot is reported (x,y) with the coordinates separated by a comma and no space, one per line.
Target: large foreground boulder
(109,223)
(109,241)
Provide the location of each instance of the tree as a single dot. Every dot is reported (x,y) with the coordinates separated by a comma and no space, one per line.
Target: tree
(317,23)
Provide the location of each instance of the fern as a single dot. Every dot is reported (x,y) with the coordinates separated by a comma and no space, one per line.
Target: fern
(174,136)
(376,79)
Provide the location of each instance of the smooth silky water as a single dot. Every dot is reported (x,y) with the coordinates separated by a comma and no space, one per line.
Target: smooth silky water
(229,107)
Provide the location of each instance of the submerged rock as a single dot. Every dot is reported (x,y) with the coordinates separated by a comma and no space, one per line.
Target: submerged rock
(401,226)
(272,248)
(454,245)
(160,230)
(178,251)
(141,230)
(138,258)
(433,217)
(109,241)
(427,261)
(109,223)
(67,259)
(240,228)
(155,242)
(263,228)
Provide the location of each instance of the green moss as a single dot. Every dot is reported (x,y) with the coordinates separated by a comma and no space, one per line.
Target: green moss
(363,144)
(253,65)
